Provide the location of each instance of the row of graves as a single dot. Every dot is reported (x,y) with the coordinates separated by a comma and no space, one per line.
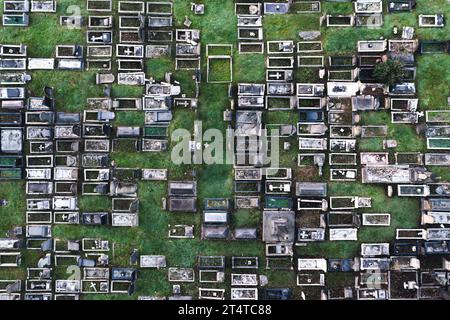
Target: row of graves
(414,266)
(250,18)
(98,138)
(12,149)
(188,46)
(13,79)
(211,272)
(13,59)
(182,45)
(402,279)
(216,221)
(396,271)
(129,51)
(435,129)
(424,250)
(406,175)
(161,38)
(252,180)
(68,154)
(369,13)
(88,256)
(145,31)
(16,13)
(216,211)
(378,276)
(250,30)
(431,238)
(350,89)
(79,147)
(249,101)
(278,94)
(156,103)
(216,214)
(54,160)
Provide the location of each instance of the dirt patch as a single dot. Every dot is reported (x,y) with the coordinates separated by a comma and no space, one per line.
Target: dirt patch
(399,282)
(309,174)
(308,219)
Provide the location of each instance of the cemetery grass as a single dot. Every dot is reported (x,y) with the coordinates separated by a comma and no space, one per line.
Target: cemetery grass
(218,25)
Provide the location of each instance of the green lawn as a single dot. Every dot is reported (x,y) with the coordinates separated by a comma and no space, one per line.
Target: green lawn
(218,26)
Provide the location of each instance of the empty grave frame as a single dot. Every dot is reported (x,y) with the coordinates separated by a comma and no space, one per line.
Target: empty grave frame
(219,69)
(251,47)
(99,5)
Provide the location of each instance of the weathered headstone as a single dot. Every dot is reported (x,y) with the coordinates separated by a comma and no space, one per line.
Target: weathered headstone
(309,35)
